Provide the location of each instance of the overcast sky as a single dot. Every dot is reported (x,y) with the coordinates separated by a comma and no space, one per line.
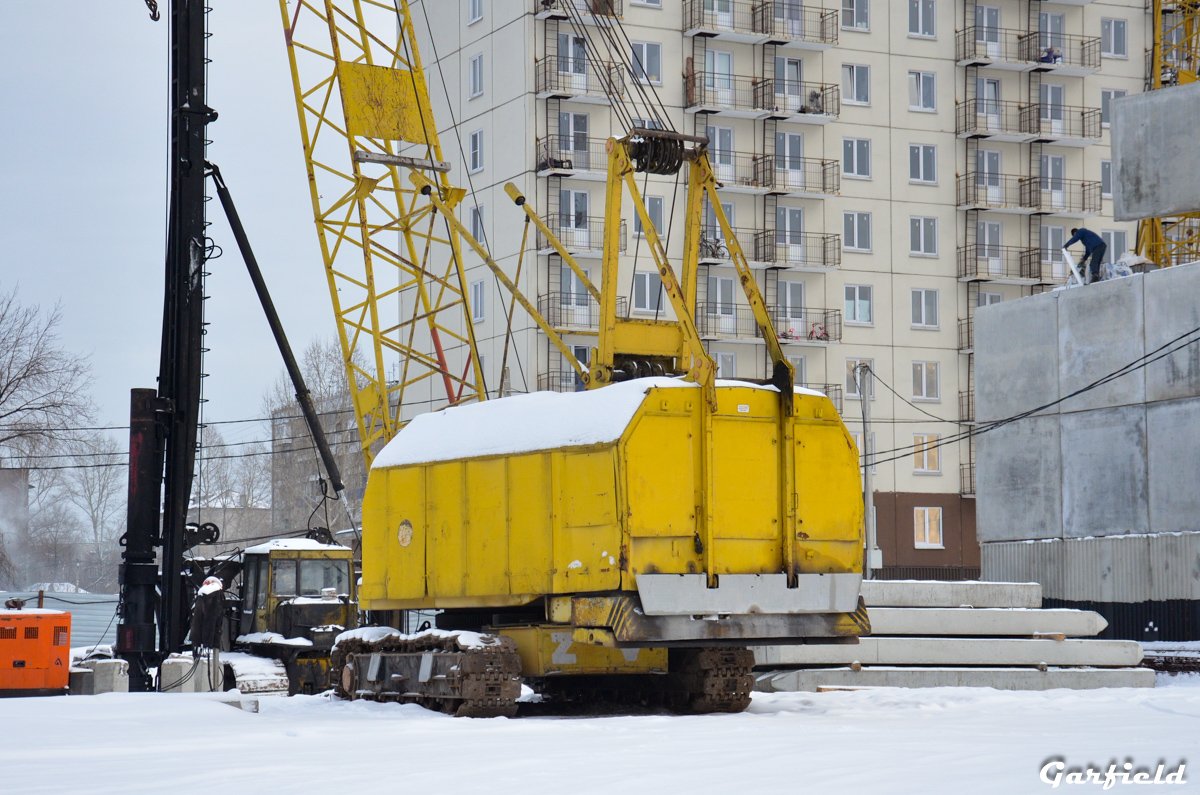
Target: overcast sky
(83,146)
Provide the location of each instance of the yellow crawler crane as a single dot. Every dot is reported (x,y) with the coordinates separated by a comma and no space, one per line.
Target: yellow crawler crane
(632,540)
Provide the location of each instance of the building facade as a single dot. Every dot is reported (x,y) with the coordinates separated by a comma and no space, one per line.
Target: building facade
(887,167)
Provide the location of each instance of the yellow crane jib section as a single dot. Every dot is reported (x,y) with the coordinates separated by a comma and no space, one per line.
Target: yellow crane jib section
(462,511)
(519,199)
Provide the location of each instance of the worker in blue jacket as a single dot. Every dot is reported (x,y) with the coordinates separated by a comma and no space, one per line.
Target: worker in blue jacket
(1094,248)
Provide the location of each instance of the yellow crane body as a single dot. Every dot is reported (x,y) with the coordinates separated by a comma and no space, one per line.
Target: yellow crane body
(612,517)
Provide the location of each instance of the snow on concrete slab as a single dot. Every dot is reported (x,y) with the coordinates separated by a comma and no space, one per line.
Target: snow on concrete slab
(983,621)
(939,593)
(886,740)
(954,651)
(273,638)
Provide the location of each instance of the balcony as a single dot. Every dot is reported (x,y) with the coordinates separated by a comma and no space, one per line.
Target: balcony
(1000,264)
(998,48)
(582,236)
(585,9)
(795,325)
(993,119)
(801,251)
(713,250)
(966,407)
(746,97)
(1064,125)
(574,311)
(996,192)
(560,381)
(1045,265)
(831,391)
(1061,53)
(966,479)
(783,24)
(578,79)
(572,156)
(1054,196)
(742,172)
(966,335)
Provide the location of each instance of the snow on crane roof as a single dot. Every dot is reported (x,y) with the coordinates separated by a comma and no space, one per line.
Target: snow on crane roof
(527,423)
(291,544)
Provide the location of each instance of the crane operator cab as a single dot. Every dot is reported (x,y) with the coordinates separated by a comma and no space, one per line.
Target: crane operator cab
(297,595)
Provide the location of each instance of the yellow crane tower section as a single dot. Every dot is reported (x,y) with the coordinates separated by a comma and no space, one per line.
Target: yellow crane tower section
(394,268)
(1174,60)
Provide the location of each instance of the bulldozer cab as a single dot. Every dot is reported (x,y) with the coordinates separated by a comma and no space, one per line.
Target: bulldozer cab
(299,590)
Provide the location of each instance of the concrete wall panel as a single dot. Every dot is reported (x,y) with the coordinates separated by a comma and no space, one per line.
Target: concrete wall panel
(1016,356)
(1173,456)
(1155,159)
(1104,472)
(1171,311)
(1019,481)
(1100,330)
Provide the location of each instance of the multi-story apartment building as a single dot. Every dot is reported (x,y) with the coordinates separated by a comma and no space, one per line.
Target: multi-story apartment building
(887,167)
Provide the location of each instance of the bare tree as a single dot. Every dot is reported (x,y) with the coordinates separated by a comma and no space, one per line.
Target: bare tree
(42,385)
(96,485)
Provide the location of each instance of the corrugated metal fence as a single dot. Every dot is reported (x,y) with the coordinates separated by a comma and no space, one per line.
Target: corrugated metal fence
(92,614)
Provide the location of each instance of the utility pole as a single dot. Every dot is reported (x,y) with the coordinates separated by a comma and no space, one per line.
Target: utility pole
(872,550)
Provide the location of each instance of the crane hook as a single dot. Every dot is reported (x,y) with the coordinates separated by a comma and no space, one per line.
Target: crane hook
(153,6)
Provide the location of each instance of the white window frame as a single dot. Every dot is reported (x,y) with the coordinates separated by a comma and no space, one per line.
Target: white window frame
(852,304)
(860,15)
(920,320)
(476,227)
(926,19)
(927,446)
(988,299)
(1052,254)
(856,151)
(857,227)
(926,161)
(924,86)
(726,361)
(849,97)
(921,372)
(923,511)
(475,152)
(1110,237)
(474,11)
(1106,179)
(646,282)
(640,56)
(475,70)
(1107,95)
(852,381)
(478,297)
(800,368)
(925,228)
(654,207)
(647,3)
(1108,38)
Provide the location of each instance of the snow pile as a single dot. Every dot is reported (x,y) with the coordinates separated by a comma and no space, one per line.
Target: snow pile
(465,638)
(291,544)
(273,638)
(56,587)
(211,585)
(102,651)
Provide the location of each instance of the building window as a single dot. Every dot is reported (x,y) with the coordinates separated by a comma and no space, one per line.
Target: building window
(1106,179)
(925,453)
(1107,95)
(924,308)
(1117,242)
(852,377)
(1052,239)
(645,287)
(477,223)
(1112,38)
(925,381)
(922,163)
(800,368)
(927,526)
(921,93)
(726,365)
(647,61)
(865,453)
(646,124)
(856,84)
(477,299)
(856,157)
(856,14)
(476,150)
(476,72)
(921,15)
(651,3)
(922,236)
(987,299)
(654,208)
(858,304)
(857,229)
(474,11)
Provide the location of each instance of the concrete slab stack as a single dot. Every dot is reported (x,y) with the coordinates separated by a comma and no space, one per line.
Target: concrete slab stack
(1095,497)
(960,634)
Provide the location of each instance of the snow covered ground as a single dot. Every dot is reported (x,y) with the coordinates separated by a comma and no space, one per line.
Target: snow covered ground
(948,740)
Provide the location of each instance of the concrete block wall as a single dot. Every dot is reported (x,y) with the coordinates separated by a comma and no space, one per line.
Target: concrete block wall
(1118,459)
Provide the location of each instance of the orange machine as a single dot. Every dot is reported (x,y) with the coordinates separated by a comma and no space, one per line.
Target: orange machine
(35,651)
